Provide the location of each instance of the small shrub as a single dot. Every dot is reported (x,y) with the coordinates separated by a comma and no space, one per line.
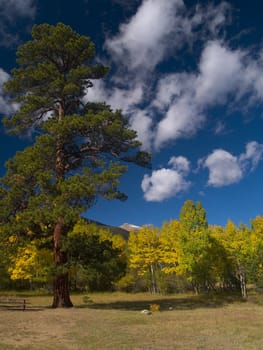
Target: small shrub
(155,307)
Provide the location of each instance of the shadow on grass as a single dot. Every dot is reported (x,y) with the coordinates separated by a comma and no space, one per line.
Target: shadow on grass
(30,308)
(176,303)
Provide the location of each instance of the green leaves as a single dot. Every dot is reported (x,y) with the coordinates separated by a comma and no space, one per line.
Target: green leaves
(95,256)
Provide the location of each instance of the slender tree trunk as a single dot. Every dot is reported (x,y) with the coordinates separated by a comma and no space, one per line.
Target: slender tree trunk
(153,279)
(195,287)
(61,297)
(243,287)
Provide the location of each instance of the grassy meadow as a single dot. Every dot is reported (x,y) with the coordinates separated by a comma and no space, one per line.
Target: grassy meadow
(115,322)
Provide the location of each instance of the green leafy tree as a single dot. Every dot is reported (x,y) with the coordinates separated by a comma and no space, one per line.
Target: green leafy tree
(78,150)
(96,257)
(222,269)
(194,252)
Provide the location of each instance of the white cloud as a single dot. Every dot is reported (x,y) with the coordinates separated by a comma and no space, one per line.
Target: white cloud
(3,78)
(166,183)
(170,88)
(116,97)
(11,9)
(6,106)
(182,116)
(158,31)
(182,120)
(176,104)
(143,41)
(220,74)
(181,164)
(142,123)
(224,77)
(253,155)
(226,169)
(223,168)
(160,27)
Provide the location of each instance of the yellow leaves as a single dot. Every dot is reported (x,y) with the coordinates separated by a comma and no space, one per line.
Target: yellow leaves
(170,269)
(12,239)
(236,240)
(118,242)
(169,246)
(30,263)
(144,248)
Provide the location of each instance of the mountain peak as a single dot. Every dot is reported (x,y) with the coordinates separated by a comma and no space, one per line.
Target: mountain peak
(130,227)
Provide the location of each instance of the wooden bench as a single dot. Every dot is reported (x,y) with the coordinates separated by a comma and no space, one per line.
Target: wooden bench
(13,302)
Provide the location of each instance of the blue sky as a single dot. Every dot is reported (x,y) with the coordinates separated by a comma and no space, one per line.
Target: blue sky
(189,76)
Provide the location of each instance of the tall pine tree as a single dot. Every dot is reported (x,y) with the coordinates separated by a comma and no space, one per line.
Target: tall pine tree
(79,152)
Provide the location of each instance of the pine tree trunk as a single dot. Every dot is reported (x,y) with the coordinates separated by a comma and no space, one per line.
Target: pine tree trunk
(61,297)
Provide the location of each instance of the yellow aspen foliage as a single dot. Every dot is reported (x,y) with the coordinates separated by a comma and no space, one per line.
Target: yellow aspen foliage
(12,239)
(257,232)
(31,263)
(144,253)
(144,249)
(169,246)
(237,243)
(257,247)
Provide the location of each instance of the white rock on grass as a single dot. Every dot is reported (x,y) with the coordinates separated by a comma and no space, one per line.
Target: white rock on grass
(146,312)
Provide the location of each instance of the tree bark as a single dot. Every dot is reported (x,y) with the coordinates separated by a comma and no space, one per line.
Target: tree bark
(61,297)
(153,279)
(243,287)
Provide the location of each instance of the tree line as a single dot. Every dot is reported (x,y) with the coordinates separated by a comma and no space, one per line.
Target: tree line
(189,253)
(184,254)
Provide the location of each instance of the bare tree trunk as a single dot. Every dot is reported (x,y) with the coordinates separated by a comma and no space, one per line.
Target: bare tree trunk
(195,288)
(243,287)
(153,279)
(61,297)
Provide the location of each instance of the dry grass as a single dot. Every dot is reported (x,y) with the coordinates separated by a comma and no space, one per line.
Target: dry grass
(114,321)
